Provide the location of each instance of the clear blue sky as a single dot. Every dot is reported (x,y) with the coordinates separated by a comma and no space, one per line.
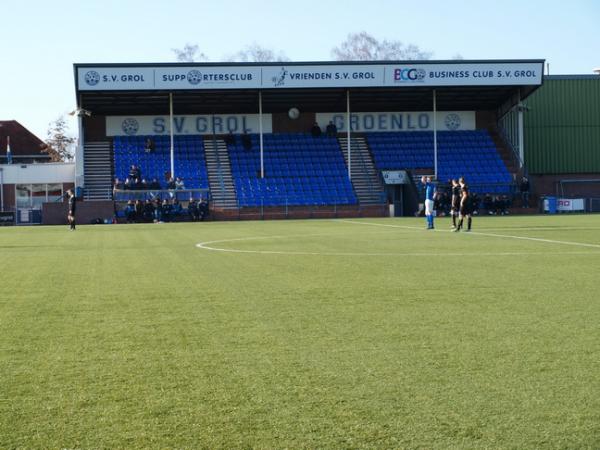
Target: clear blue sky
(42,39)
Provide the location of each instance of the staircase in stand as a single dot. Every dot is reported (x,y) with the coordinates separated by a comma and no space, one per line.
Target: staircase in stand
(508,156)
(97,170)
(364,175)
(220,179)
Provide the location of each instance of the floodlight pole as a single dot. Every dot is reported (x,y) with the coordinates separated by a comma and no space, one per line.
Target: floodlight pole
(171,135)
(348,125)
(435,146)
(260,135)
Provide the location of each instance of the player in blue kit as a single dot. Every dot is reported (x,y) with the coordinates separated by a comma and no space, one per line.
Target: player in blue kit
(429,193)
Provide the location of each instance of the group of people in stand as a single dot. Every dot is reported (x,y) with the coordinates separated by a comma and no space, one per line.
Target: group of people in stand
(330,131)
(136,182)
(159,211)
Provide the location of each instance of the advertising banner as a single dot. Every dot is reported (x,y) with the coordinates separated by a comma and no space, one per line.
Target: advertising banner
(567,204)
(285,76)
(400,121)
(186,125)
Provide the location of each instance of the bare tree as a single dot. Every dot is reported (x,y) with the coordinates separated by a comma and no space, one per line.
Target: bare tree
(457,56)
(365,47)
(189,53)
(59,145)
(257,53)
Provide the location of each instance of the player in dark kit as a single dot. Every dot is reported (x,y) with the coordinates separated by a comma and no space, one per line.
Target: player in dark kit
(72,208)
(465,205)
(455,202)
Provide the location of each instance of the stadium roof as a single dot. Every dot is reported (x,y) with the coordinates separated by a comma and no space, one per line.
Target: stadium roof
(22,141)
(219,88)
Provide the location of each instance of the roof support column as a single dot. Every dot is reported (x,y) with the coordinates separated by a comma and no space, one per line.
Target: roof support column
(79,158)
(171,131)
(348,126)
(520,109)
(435,146)
(260,135)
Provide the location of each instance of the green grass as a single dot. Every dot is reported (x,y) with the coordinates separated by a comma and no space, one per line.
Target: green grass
(346,335)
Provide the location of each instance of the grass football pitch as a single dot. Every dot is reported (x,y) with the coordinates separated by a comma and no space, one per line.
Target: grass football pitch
(361,333)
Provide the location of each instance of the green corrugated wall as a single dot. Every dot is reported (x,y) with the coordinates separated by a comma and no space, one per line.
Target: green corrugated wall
(562,126)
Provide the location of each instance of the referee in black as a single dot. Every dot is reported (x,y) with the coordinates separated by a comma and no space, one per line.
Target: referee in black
(72,208)
(455,202)
(466,208)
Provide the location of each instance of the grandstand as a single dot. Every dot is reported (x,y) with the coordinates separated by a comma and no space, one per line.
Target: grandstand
(301,170)
(472,154)
(443,127)
(189,158)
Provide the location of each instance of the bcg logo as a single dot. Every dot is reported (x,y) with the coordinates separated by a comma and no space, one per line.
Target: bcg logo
(408,74)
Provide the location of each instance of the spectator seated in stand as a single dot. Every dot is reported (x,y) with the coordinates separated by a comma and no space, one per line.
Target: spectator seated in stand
(176,209)
(498,205)
(118,185)
(154,185)
(135,173)
(166,211)
(316,130)
(171,183)
(488,203)
(158,210)
(193,210)
(130,212)
(331,129)
(143,185)
(139,211)
(148,211)
(230,139)
(203,209)
(149,146)
(179,183)
(129,184)
(246,141)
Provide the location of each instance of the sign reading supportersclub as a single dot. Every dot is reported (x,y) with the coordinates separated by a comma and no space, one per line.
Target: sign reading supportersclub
(186,125)
(284,76)
(399,121)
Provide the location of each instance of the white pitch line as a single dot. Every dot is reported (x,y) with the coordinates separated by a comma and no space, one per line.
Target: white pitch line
(208,246)
(548,241)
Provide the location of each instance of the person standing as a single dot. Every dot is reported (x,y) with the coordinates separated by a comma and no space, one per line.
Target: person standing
(455,201)
(72,208)
(429,193)
(524,187)
(465,205)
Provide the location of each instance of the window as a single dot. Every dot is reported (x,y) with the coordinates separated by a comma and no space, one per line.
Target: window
(31,196)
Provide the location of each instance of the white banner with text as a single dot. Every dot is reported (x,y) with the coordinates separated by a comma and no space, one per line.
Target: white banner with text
(399,121)
(282,76)
(186,125)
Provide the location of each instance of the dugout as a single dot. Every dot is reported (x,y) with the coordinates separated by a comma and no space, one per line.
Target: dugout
(188,104)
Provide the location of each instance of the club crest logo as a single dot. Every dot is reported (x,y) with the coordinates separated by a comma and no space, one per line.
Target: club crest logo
(92,78)
(130,126)
(452,121)
(194,77)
